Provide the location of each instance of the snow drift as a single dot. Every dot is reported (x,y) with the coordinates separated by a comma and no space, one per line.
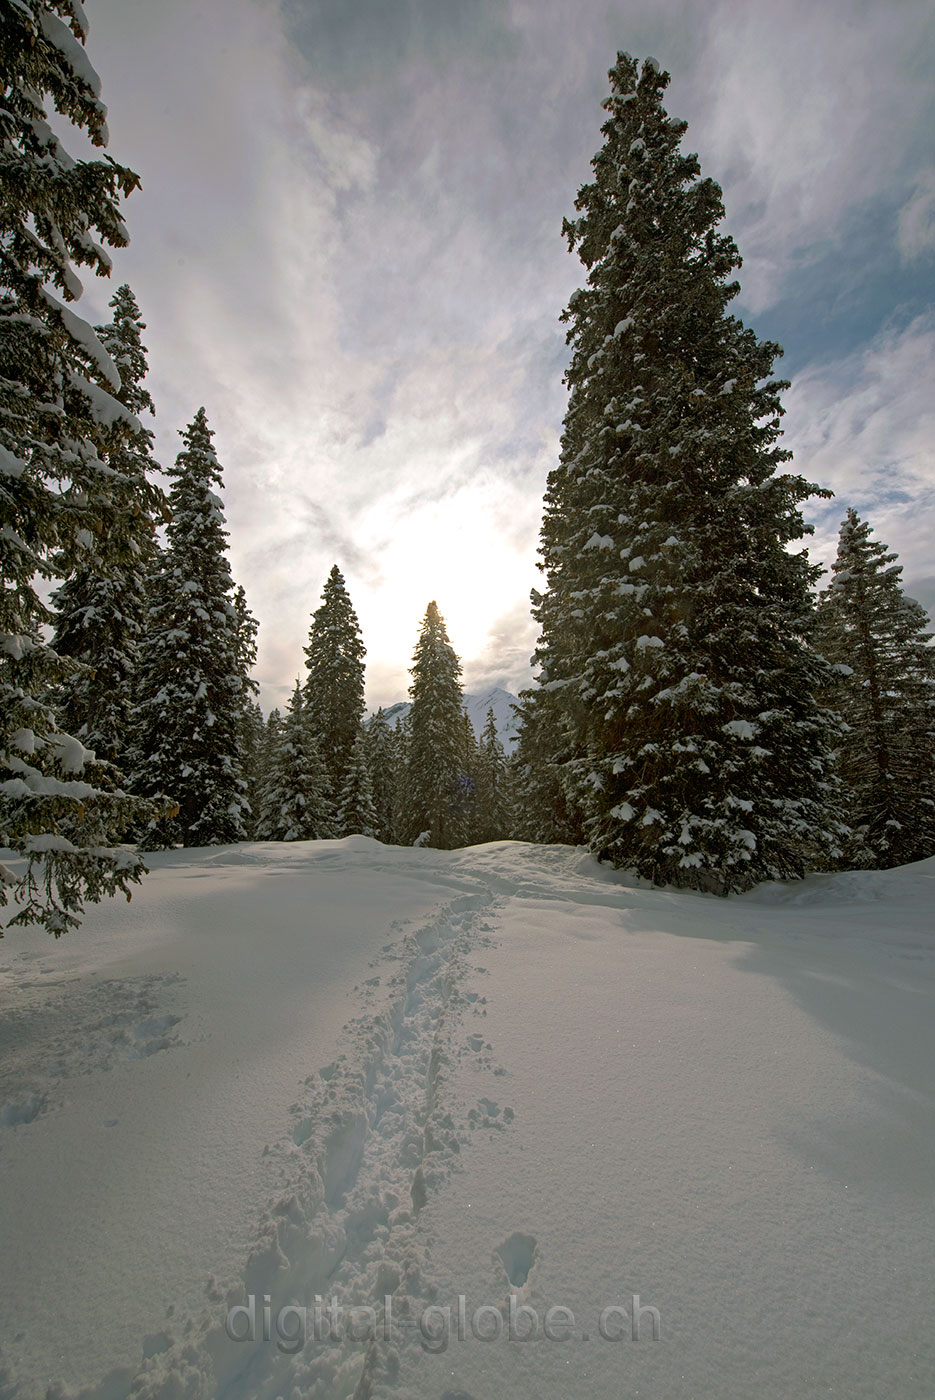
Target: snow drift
(337,1119)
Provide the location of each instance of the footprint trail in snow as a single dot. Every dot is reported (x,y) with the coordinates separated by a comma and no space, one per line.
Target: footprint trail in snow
(375,1137)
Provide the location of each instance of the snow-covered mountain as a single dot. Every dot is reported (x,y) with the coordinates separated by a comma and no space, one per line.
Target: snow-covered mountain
(476,706)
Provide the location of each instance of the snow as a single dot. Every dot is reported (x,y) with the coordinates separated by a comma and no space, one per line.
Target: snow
(103,407)
(38,845)
(505,1075)
(741,729)
(61,37)
(87,338)
(70,752)
(10,465)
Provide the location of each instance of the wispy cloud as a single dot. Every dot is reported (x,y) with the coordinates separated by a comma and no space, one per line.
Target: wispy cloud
(865,426)
(806,112)
(348,248)
(916,232)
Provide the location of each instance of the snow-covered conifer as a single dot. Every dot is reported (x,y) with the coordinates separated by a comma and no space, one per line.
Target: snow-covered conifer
(466,814)
(251,716)
(380,743)
(493,814)
(334,684)
(878,638)
(252,754)
(676,622)
(436,769)
(295,803)
(191,685)
(401,746)
(356,812)
(247,628)
(101,607)
(545,807)
(266,758)
(59,411)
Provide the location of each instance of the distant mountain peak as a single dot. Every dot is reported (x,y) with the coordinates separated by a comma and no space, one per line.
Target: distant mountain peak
(475,707)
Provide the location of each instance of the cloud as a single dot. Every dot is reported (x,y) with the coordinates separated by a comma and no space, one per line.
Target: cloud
(806,112)
(916,231)
(865,426)
(504,659)
(348,248)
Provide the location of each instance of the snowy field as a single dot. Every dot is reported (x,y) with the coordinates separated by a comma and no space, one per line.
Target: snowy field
(501,1087)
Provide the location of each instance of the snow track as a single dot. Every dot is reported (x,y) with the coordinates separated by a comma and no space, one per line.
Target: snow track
(721,1107)
(375,1136)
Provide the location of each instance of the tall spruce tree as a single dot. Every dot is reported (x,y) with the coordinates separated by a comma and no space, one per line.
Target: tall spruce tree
(101,608)
(60,508)
(266,757)
(493,817)
(334,686)
(252,754)
(251,716)
(436,770)
(878,639)
(401,734)
(380,743)
(466,813)
(546,810)
(192,686)
(675,626)
(356,812)
(295,802)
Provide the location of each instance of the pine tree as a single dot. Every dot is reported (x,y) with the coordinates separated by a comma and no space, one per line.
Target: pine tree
(493,821)
(380,746)
(266,759)
(401,747)
(247,628)
(545,808)
(465,811)
(357,813)
(253,733)
(334,685)
(251,725)
(675,627)
(59,509)
(295,803)
(435,774)
(192,685)
(878,639)
(101,607)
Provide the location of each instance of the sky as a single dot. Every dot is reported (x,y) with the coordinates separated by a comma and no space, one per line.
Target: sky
(347,247)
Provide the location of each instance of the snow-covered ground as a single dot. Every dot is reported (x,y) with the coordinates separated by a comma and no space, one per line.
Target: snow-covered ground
(502,1075)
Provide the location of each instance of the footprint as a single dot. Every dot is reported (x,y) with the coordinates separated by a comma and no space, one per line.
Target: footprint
(151,1036)
(517,1254)
(24,1110)
(418,1192)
